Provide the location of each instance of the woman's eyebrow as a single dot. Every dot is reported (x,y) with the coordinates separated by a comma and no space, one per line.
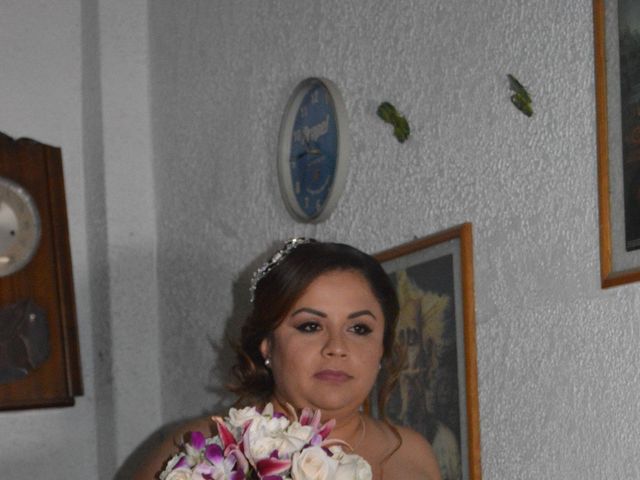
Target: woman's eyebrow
(318,313)
(311,311)
(360,313)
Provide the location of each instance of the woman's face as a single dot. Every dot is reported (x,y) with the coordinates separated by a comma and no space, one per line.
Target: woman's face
(326,352)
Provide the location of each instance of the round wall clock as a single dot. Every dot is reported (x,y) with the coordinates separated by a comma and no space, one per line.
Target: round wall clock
(19,227)
(313,150)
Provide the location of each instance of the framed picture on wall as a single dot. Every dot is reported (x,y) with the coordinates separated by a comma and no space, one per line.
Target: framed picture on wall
(617,64)
(437,389)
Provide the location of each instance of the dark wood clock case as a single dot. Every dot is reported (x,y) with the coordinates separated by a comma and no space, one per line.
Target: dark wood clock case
(49,357)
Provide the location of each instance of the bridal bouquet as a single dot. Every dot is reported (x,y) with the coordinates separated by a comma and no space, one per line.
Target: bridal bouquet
(253,444)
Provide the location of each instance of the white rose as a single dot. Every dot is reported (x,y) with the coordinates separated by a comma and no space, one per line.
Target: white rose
(313,464)
(269,425)
(294,438)
(238,417)
(353,467)
(263,437)
(350,465)
(259,448)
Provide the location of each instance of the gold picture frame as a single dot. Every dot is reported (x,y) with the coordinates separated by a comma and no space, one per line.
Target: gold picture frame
(437,392)
(619,257)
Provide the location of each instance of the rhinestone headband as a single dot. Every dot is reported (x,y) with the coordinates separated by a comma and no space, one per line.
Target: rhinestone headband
(270,264)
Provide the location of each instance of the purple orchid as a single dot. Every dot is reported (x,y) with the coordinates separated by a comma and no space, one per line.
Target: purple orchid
(253,445)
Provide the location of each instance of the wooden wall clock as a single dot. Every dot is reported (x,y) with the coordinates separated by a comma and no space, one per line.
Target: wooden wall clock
(39,354)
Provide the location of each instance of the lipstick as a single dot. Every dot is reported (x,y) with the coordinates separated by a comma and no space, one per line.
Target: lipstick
(336,376)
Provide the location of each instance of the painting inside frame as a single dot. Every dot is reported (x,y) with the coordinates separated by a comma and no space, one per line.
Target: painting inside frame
(437,389)
(617,66)
(629,53)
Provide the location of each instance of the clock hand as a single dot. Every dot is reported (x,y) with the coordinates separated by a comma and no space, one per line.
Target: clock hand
(310,144)
(314,150)
(310,148)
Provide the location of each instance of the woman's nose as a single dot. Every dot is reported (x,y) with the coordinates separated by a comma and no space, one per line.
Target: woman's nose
(335,345)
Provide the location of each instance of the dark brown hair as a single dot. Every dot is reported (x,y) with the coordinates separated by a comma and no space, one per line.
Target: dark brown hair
(281,287)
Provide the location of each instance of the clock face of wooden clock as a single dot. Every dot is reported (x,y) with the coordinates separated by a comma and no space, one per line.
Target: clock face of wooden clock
(19,227)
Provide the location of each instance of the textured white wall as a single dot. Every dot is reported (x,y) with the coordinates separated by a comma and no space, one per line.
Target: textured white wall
(75,75)
(557,356)
(41,97)
(130,217)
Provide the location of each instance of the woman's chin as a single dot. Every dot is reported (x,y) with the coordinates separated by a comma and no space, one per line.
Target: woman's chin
(331,401)
(335,404)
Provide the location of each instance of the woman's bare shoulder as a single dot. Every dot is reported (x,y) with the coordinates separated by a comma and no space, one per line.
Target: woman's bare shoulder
(167,443)
(414,455)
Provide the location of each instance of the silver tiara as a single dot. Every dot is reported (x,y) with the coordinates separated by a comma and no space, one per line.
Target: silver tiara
(277,257)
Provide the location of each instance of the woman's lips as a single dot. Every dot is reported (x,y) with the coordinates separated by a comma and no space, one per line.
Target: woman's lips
(336,376)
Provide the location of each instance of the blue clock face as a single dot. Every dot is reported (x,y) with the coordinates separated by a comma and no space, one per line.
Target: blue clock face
(314,150)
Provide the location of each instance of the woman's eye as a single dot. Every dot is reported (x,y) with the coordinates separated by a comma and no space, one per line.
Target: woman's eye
(361,329)
(308,327)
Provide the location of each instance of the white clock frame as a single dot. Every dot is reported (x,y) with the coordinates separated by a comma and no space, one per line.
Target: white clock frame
(284,150)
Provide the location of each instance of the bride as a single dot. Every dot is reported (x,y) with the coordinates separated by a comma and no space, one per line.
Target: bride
(321,329)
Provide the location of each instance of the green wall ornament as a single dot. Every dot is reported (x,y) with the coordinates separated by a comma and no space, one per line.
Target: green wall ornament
(389,114)
(520,98)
